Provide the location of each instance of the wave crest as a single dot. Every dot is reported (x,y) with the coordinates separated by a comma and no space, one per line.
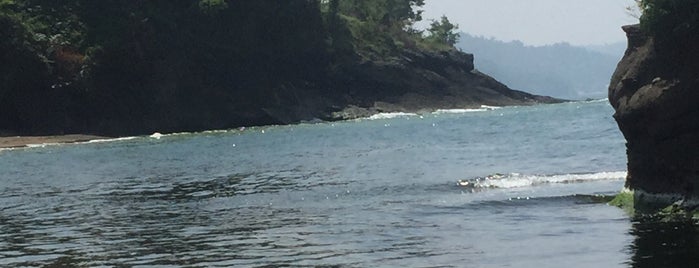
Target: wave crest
(389,115)
(515,180)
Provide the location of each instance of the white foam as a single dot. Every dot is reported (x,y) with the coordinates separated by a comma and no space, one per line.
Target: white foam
(217,131)
(490,107)
(110,140)
(597,100)
(515,180)
(483,108)
(458,111)
(390,115)
(156,135)
(42,145)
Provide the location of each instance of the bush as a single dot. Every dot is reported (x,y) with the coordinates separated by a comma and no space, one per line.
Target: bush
(442,32)
(665,19)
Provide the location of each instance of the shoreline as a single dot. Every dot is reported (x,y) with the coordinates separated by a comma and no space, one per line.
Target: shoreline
(27,141)
(9,142)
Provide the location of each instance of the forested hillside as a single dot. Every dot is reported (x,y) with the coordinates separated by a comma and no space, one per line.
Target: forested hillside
(559,70)
(124,67)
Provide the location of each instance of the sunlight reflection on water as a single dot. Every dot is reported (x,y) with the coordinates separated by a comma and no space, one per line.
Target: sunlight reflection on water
(353,193)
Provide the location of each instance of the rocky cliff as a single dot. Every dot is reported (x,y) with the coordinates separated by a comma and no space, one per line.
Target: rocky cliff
(420,81)
(417,81)
(414,81)
(113,68)
(655,91)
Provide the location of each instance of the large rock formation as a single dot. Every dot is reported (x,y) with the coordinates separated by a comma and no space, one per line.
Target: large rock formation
(173,67)
(655,92)
(421,81)
(413,81)
(416,81)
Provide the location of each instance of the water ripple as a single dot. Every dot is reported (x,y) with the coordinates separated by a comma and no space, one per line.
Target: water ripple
(355,194)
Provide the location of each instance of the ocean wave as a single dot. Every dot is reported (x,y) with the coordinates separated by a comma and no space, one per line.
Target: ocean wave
(109,140)
(515,180)
(458,111)
(483,108)
(595,100)
(487,107)
(389,115)
(43,145)
(52,144)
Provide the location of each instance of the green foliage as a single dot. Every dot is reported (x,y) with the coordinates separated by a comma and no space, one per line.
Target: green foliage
(110,62)
(658,208)
(50,22)
(442,32)
(386,12)
(53,33)
(212,6)
(379,29)
(625,201)
(670,18)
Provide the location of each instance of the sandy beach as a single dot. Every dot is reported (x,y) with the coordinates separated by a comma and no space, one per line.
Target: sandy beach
(24,141)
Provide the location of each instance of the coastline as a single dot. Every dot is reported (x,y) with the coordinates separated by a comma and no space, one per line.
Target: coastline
(9,142)
(26,141)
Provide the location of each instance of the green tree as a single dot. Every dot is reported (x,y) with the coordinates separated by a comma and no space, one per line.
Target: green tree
(442,32)
(212,6)
(670,18)
(403,12)
(385,12)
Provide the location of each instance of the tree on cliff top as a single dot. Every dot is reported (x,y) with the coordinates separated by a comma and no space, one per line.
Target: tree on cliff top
(376,28)
(119,64)
(670,18)
(385,12)
(381,29)
(442,32)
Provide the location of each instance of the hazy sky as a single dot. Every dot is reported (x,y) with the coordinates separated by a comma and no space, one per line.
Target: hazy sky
(537,22)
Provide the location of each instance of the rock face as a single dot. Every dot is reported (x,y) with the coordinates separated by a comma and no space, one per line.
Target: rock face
(173,67)
(655,92)
(412,81)
(419,81)
(416,81)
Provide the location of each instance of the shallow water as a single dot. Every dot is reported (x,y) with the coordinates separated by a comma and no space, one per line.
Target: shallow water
(360,193)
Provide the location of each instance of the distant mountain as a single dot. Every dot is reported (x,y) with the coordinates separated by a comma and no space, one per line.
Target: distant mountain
(613,49)
(558,70)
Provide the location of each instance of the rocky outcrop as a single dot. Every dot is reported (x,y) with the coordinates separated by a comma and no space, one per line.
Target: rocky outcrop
(420,81)
(655,91)
(415,82)
(172,67)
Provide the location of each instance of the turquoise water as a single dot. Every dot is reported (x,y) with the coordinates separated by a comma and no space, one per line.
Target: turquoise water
(364,193)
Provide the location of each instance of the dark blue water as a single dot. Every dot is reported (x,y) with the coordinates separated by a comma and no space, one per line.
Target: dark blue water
(361,193)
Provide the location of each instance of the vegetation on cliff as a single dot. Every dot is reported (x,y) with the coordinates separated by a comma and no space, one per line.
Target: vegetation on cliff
(115,68)
(138,66)
(667,19)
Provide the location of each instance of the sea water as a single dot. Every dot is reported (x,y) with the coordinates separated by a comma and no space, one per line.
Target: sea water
(385,191)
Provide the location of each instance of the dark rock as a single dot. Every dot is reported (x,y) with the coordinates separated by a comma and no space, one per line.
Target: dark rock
(655,91)
(420,81)
(415,81)
(352,112)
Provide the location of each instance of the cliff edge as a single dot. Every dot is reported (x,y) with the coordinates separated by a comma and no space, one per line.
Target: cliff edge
(181,66)
(420,81)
